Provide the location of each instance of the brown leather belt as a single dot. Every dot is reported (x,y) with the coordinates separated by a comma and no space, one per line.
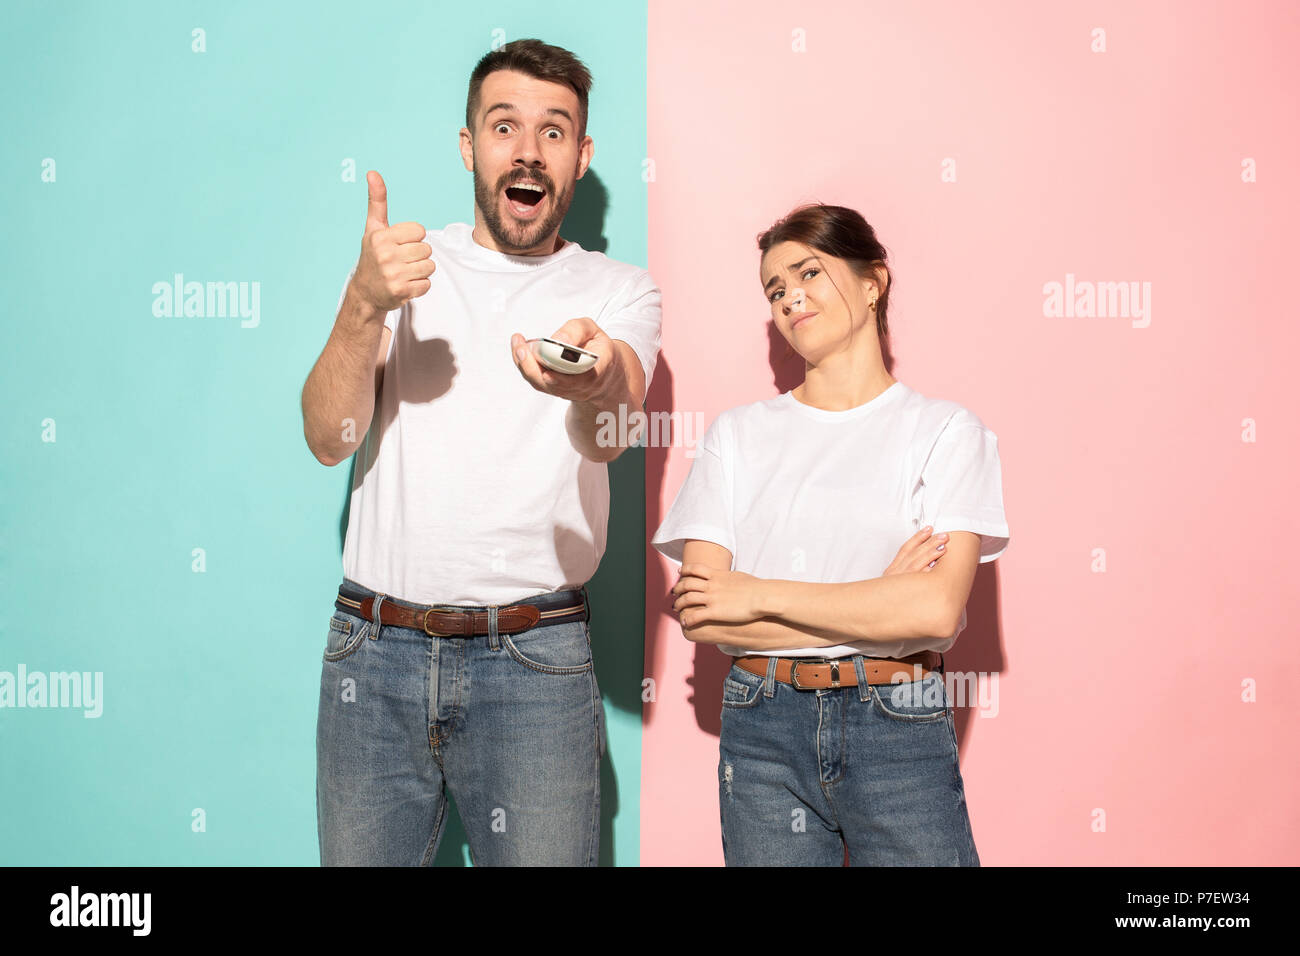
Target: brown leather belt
(805,673)
(441,620)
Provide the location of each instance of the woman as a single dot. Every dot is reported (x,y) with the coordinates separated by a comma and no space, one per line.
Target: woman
(803,530)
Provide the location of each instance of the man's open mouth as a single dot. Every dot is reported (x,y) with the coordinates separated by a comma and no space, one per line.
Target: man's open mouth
(525,197)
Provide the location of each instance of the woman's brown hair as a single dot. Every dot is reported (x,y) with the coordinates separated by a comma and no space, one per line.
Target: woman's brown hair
(842,233)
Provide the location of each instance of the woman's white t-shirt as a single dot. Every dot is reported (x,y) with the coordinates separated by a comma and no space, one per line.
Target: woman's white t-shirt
(799,493)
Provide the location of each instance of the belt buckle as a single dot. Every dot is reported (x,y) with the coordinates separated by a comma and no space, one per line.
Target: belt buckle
(425,624)
(794,673)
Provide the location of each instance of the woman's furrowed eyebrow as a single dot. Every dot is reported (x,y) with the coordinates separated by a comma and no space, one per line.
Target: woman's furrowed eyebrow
(793,268)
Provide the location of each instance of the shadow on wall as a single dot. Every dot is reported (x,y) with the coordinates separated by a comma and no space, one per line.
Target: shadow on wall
(978,647)
(616,592)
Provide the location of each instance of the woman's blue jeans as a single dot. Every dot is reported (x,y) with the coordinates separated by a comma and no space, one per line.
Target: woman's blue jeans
(511,726)
(806,775)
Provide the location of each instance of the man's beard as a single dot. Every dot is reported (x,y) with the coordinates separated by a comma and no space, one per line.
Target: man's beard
(509,233)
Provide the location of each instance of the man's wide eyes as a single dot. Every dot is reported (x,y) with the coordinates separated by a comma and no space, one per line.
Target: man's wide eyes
(553,129)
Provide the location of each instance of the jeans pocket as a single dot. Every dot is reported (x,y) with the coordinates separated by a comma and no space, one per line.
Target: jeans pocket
(553,648)
(346,633)
(918,701)
(741,688)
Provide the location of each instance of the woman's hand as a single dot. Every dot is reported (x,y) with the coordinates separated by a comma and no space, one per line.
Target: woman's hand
(708,595)
(920,552)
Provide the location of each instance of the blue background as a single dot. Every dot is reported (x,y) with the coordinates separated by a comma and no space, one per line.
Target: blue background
(181,433)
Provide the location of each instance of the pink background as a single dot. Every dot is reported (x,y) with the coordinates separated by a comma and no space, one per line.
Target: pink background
(1118,690)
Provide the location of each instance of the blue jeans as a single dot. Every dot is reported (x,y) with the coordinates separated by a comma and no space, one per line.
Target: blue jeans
(511,726)
(806,775)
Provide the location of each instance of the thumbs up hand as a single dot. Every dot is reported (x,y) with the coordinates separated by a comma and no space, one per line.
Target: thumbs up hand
(395,262)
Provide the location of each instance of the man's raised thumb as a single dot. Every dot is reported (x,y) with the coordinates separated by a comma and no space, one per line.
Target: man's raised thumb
(377,210)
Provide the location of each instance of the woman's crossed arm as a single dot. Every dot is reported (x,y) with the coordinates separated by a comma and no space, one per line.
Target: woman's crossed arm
(910,601)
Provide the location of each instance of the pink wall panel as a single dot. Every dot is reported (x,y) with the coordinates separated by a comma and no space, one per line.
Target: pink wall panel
(1119,691)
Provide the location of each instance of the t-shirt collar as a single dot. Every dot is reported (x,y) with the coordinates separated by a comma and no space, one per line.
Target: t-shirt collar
(462,239)
(889,395)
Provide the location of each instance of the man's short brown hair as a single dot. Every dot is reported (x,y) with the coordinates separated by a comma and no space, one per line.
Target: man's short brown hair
(538,60)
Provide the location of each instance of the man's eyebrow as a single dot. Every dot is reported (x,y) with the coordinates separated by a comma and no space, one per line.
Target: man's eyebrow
(792,269)
(552,111)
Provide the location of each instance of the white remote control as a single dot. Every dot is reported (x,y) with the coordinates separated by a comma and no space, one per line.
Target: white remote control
(562,357)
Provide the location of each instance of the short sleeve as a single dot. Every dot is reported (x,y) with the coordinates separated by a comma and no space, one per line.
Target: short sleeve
(703,506)
(634,316)
(390,320)
(962,485)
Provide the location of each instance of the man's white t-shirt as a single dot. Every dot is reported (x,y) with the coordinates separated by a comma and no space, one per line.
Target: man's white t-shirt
(799,493)
(467,487)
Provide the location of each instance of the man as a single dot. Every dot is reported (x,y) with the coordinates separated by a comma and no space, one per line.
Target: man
(458,659)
